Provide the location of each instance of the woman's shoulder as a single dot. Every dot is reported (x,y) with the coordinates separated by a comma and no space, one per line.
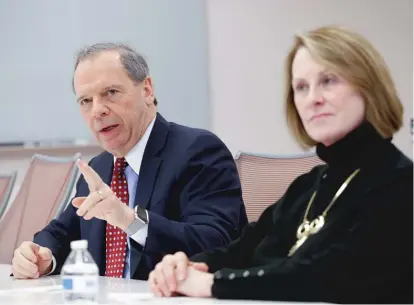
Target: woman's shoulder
(404,163)
(399,168)
(392,182)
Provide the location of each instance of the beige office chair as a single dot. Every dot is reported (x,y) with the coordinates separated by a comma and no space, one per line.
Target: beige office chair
(265,178)
(6,187)
(42,196)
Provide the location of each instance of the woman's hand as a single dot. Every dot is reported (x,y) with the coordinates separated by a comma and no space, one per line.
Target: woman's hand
(170,272)
(197,284)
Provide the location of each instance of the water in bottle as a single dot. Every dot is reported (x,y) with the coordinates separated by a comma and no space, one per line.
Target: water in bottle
(80,275)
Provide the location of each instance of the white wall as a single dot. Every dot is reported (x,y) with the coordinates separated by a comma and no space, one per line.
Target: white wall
(248,41)
(39,42)
(40,38)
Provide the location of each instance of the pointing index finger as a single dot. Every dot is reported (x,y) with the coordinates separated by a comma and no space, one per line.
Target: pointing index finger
(91,177)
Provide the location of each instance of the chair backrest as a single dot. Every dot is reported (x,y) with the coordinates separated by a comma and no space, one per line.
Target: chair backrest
(42,196)
(6,186)
(265,178)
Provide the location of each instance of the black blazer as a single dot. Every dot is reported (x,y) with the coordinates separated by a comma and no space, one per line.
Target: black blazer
(188,182)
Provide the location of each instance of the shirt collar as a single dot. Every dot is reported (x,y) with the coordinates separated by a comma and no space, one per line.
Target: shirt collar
(136,154)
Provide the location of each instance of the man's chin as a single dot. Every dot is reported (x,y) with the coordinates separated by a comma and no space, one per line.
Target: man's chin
(111,146)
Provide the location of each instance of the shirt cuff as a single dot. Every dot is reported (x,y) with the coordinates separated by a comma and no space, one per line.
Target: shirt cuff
(141,235)
(53,265)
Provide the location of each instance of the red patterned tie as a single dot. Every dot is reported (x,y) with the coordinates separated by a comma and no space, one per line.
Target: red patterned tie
(116,239)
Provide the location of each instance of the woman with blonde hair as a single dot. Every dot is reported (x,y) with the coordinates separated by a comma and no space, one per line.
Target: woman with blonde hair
(343,232)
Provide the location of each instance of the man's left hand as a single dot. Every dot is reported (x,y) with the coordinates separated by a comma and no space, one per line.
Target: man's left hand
(101,203)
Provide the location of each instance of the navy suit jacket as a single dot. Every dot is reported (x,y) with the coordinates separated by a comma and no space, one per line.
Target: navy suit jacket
(189,184)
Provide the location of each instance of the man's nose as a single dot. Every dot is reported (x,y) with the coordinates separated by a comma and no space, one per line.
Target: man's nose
(99,109)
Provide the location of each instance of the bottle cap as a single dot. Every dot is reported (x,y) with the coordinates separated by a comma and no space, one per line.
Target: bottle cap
(79,244)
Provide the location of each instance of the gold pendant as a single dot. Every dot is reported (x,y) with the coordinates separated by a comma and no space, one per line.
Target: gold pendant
(316,224)
(305,230)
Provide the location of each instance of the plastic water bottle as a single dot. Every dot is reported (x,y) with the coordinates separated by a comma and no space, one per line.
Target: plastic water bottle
(80,275)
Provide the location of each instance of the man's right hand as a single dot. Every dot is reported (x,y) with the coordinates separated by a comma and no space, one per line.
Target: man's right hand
(31,261)
(164,279)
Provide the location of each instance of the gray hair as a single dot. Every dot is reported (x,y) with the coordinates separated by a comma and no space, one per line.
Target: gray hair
(134,63)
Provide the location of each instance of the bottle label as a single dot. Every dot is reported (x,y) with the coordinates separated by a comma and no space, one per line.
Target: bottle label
(83,284)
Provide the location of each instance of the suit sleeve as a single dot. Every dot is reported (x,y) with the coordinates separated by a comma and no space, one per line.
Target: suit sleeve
(212,212)
(359,265)
(58,234)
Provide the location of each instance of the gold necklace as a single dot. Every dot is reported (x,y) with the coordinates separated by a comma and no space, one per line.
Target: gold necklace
(307,228)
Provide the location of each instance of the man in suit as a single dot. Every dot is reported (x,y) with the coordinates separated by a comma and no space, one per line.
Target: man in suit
(158,188)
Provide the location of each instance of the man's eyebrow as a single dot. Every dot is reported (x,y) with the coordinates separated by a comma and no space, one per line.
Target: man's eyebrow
(80,98)
(112,87)
(103,90)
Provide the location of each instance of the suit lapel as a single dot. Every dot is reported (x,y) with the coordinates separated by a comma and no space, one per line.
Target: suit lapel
(146,181)
(151,163)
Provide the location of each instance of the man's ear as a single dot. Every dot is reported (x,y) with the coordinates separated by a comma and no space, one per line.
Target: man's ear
(148,91)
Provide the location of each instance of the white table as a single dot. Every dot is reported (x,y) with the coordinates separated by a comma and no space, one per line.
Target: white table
(47,290)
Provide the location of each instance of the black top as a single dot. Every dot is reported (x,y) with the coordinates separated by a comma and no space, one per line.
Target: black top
(363,254)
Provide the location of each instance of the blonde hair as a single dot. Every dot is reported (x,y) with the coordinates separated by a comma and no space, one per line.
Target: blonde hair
(356,60)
